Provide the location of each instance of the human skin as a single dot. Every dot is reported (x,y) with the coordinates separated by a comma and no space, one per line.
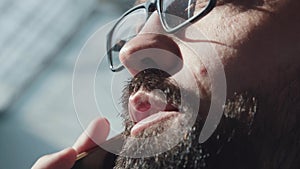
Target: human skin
(258,43)
(65,159)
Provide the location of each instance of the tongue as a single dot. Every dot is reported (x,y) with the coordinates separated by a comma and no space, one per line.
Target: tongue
(153,120)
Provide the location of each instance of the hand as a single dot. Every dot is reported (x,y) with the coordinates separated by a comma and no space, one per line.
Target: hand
(98,129)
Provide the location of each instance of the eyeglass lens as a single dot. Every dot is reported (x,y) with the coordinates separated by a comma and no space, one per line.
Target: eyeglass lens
(173,13)
(124,31)
(176,12)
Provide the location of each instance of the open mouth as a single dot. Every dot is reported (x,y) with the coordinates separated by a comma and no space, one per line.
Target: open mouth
(152,100)
(150,110)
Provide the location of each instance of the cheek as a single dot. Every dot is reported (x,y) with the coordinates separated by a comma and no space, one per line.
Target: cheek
(242,42)
(230,33)
(230,26)
(198,67)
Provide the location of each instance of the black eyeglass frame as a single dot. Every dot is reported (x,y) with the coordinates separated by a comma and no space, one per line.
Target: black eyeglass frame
(150,6)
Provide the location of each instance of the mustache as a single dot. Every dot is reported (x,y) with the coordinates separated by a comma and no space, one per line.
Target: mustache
(149,80)
(233,130)
(242,107)
(231,135)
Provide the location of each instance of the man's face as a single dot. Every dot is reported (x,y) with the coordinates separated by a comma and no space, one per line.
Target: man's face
(257,42)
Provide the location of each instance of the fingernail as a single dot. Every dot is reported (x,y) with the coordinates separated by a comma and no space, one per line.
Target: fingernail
(107,121)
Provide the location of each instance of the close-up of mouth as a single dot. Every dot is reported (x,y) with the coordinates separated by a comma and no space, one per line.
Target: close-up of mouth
(152,101)
(148,109)
(158,124)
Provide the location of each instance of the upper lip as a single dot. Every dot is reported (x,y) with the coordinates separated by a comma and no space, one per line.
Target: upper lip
(143,104)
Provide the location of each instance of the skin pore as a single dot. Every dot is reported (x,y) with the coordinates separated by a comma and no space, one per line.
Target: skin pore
(236,126)
(258,43)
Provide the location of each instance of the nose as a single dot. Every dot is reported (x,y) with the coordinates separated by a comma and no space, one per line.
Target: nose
(151,49)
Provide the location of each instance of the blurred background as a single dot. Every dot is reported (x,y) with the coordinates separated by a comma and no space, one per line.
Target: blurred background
(39,44)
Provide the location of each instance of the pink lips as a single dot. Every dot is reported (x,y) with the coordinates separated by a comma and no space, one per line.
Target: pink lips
(143,104)
(147,108)
(139,106)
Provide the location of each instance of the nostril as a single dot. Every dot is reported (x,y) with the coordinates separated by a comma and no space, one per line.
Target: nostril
(148,61)
(151,51)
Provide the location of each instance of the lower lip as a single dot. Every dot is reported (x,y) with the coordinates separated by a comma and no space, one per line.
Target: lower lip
(154,119)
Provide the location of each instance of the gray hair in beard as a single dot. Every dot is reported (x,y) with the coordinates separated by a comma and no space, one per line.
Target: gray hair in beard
(224,149)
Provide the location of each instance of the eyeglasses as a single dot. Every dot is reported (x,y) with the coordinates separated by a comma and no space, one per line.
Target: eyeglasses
(173,14)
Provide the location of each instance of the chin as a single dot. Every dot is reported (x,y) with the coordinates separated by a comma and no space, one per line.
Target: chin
(168,136)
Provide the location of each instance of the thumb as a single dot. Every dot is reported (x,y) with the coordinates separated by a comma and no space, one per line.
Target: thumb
(95,134)
(64,159)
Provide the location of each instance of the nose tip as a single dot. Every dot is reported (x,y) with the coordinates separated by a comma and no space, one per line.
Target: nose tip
(151,50)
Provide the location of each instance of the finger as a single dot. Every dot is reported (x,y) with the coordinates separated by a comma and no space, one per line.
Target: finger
(64,159)
(95,134)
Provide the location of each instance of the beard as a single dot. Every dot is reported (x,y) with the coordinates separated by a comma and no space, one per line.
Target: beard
(224,149)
